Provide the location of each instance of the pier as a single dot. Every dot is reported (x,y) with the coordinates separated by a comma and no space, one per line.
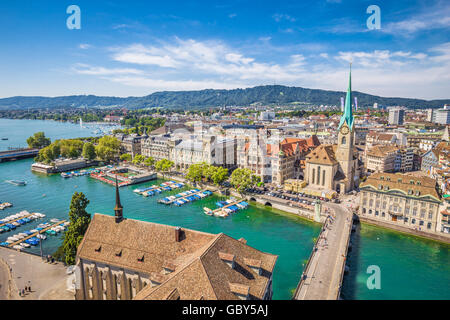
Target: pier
(5,223)
(324,272)
(15,154)
(228,205)
(153,188)
(189,195)
(36,233)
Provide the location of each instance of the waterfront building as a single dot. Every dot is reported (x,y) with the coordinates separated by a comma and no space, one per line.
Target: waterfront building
(406,200)
(336,167)
(159,147)
(443,223)
(124,259)
(131,143)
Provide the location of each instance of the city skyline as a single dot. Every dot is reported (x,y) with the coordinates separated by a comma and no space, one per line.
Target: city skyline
(136,49)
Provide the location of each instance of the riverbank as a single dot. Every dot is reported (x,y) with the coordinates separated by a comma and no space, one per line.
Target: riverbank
(416,233)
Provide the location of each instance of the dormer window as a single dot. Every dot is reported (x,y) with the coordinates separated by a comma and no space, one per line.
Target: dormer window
(119,254)
(141,259)
(417,193)
(240,290)
(98,249)
(380,187)
(386,188)
(254,264)
(228,258)
(168,267)
(382,178)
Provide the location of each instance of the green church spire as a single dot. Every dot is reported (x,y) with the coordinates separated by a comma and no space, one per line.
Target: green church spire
(348,112)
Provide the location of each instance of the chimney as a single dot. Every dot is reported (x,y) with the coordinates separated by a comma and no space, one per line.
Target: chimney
(177,234)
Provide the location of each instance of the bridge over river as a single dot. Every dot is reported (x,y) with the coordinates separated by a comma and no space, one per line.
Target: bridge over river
(15,154)
(322,277)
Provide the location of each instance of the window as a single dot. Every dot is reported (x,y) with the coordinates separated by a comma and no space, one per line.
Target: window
(405,219)
(344,140)
(364,210)
(429,225)
(430,215)
(421,223)
(413,221)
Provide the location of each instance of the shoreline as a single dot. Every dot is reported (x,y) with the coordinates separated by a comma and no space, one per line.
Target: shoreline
(400,230)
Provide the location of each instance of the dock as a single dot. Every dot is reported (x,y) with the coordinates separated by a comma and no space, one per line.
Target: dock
(36,233)
(11,221)
(190,195)
(153,188)
(228,205)
(322,277)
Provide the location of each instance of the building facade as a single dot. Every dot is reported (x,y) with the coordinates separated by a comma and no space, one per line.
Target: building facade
(403,199)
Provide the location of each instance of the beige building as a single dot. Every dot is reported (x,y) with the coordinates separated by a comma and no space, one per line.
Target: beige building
(381,158)
(124,259)
(407,200)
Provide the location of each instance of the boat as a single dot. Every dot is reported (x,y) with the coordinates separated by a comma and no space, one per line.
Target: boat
(208,211)
(17,182)
(25,245)
(55,220)
(17,247)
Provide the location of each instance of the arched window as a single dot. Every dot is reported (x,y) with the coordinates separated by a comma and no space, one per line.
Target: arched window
(344,140)
(313,175)
(318,175)
(323,178)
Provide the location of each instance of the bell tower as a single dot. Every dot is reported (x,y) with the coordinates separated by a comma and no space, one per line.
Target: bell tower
(346,138)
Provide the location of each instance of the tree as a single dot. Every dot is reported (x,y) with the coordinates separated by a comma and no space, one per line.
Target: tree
(38,140)
(149,162)
(138,159)
(195,173)
(89,151)
(125,157)
(164,165)
(242,179)
(79,222)
(108,148)
(219,175)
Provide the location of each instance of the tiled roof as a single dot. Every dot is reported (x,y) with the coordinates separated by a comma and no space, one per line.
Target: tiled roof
(407,184)
(382,151)
(200,272)
(323,154)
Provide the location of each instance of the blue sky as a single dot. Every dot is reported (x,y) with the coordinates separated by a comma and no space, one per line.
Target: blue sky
(129,48)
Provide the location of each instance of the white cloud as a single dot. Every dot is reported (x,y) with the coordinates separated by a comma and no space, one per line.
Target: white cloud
(191,64)
(280,17)
(84,46)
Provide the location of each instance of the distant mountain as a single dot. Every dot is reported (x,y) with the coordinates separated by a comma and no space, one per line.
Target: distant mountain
(274,94)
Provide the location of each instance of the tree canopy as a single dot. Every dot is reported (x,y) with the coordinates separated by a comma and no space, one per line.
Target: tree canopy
(242,179)
(108,148)
(38,140)
(89,151)
(79,222)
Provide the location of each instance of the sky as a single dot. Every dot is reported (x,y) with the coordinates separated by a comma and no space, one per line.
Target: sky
(135,48)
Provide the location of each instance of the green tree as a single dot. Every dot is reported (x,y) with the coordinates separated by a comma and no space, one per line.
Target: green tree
(138,159)
(38,140)
(164,165)
(149,162)
(242,179)
(195,172)
(126,157)
(88,151)
(219,175)
(79,222)
(108,148)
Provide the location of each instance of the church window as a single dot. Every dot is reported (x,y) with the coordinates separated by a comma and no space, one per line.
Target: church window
(344,140)
(313,176)
(323,178)
(318,175)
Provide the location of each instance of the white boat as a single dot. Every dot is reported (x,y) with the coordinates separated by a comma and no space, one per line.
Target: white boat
(13,239)
(55,220)
(16,224)
(25,245)
(41,236)
(17,247)
(19,237)
(34,230)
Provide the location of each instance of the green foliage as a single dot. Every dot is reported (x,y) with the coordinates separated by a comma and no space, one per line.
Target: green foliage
(89,151)
(195,172)
(242,179)
(210,173)
(108,148)
(219,175)
(125,157)
(138,159)
(79,222)
(164,165)
(38,140)
(149,162)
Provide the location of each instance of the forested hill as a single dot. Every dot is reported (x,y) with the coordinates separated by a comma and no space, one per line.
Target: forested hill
(273,94)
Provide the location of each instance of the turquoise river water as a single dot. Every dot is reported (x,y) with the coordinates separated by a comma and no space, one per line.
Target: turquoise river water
(411,268)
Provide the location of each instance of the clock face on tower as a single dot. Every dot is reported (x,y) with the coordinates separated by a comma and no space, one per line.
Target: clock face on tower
(344,130)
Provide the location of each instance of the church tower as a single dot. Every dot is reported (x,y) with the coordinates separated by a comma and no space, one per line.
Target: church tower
(346,139)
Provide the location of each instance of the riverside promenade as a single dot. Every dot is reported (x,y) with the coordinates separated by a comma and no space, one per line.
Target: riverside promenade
(322,277)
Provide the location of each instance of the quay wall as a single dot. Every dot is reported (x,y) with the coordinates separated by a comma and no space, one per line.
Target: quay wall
(423,234)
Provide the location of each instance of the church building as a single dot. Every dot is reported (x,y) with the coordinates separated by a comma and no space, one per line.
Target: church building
(336,167)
